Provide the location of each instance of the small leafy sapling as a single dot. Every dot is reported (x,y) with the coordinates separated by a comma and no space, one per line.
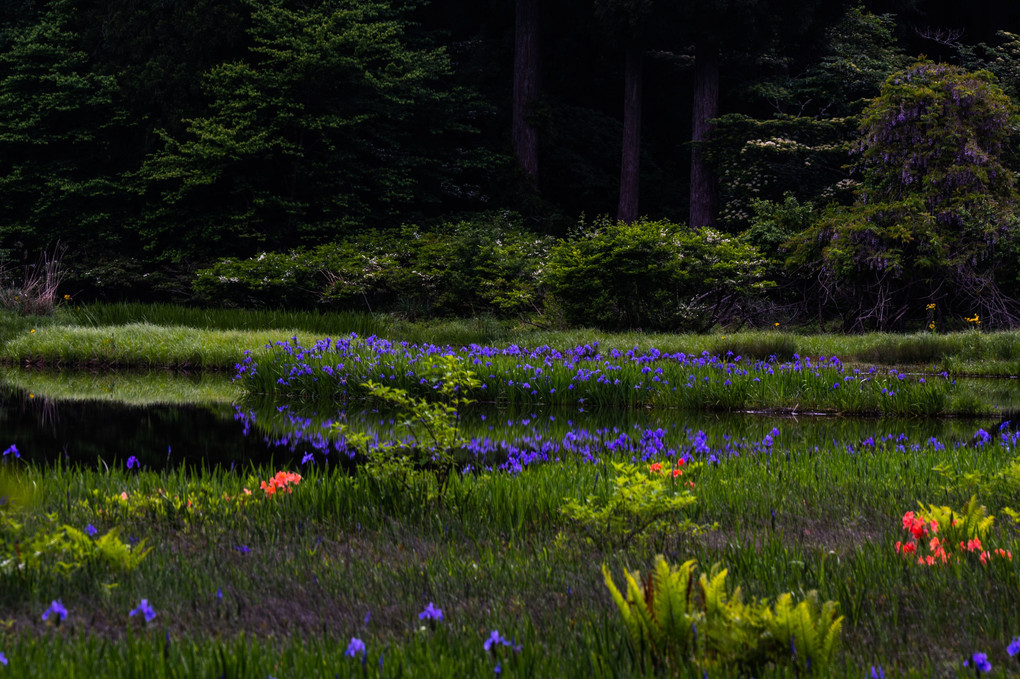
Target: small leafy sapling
(433,427)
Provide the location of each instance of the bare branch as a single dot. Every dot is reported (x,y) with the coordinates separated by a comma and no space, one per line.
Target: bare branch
(950,37)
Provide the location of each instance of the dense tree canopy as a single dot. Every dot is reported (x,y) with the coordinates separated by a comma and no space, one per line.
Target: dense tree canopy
(934,200)
(60,128)
(152,139)
(333,120)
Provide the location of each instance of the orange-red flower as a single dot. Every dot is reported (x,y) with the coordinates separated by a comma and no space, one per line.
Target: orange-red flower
(972,545)
(906,547)
(282,481)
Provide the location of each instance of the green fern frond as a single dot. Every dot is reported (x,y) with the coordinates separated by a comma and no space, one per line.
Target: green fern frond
(629,621)
(672,609)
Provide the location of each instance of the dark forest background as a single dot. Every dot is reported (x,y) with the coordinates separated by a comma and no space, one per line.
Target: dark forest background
(624,163)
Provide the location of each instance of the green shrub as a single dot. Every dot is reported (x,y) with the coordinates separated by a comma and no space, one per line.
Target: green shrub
(775,223)
(63,549)
(434,427)
(273,279)
(641,502)
(488,264)
(650,275)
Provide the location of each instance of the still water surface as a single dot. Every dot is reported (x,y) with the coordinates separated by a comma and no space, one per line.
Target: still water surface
(168,420)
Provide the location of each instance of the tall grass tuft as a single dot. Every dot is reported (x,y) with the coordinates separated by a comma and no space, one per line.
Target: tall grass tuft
(34,292)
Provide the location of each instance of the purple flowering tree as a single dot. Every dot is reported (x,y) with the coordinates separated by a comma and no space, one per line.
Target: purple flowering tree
(935,199)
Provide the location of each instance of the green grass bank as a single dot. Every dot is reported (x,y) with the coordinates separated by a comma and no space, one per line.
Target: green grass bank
(168,336)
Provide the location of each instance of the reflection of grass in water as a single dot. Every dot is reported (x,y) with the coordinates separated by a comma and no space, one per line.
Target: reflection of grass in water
(129,388)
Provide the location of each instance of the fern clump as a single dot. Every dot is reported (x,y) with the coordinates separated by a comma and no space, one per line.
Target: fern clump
(674,620)
(63,549)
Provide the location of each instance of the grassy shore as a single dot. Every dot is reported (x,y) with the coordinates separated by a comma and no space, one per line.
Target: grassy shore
(256,585)
(168,336)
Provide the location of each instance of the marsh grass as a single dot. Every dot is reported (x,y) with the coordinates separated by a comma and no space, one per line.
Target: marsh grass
(483,329)
(970,352)
(136,345)
(591,376)
(496,554)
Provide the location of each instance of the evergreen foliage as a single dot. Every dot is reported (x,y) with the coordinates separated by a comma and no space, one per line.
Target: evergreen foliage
(60,124)
(153,140)
(935,199)
(336,117)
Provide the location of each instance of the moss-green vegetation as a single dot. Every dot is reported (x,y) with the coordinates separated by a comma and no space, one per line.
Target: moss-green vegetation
(136,345)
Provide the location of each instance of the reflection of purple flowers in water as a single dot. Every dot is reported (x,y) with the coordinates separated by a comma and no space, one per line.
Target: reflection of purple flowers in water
(515,443)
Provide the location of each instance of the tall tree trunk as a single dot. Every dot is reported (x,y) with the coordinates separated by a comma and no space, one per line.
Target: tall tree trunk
(706,107)
(630,162)
(526,87)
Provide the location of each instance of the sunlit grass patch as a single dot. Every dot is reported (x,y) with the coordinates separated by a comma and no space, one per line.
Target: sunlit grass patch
(966,352)
(141,345)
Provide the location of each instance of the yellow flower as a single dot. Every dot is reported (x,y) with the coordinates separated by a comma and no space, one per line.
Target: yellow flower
(930,306)
(777,325)
(31,331)
(67,297)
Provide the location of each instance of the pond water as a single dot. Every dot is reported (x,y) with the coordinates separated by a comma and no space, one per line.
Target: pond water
(168,420)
